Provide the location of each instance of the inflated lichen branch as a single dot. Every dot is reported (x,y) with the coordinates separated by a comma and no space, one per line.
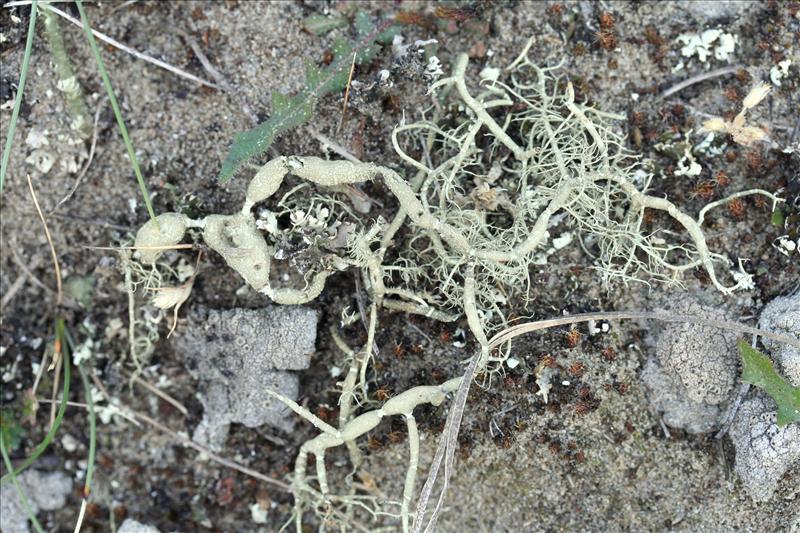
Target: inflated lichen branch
(402,404)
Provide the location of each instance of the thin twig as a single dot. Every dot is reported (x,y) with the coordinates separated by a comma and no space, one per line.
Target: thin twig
(732,410)
(72,218)
(217,75)
(199,447)
(40,372)
(13,290)
(337,148)
(57,361)
(161,394)
(359,296)
(520,329)
(117,248)
(122,6)
(116,44)
(207,66)
(419,330)
(699,78)
(796,128)
(31,276)
(19,3)
(81,514)
(100,385)
(59,292)
(447,445)
(347,93)
(86,166)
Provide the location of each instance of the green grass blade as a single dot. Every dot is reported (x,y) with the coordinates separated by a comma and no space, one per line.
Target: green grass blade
(24,499)
(87,390)
(62,408)
(23,74)
(117,113)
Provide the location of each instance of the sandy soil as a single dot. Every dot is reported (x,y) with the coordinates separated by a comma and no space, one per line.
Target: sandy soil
(571,465)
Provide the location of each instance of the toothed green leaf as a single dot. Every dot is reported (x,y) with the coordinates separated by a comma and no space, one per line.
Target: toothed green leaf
(364,27)
(319,24)
(313,74)
(279,101)
(288,113)
(342,50)
(248,144)
(758,371)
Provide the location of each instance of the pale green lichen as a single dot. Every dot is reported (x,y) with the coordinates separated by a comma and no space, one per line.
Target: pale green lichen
(158,235)
(476,214)
(238,241)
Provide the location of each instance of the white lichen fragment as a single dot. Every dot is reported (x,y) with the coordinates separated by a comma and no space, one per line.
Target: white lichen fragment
(787,246)
(779,72)
(727,44)
(694,44)
(83,352)
(721,45)
(743,280)
(434,68)
(132,526)
(258,514)
(36,138)
(687,165)
(490,74)
(562,240)
(42,160)
(707,147)
(543,376)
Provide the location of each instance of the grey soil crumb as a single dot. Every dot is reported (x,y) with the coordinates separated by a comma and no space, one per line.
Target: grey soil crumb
(132,526)
(669,397)
(236,355)
(692,372)
(764,451)
(45,492)
(782,315)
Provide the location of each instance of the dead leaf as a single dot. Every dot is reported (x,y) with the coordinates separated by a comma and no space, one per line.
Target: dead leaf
(173,297)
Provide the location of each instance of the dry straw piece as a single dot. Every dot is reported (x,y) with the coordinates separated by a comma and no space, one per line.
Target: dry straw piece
(737,129)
